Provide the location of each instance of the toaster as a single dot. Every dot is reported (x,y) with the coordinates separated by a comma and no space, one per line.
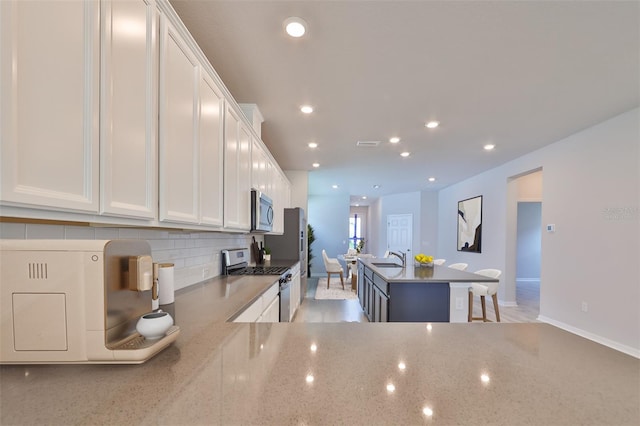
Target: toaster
(76,302)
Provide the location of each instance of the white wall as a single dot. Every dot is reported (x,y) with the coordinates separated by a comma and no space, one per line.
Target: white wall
(196,255)
(429,224)
(406,203)
(329,216)
(591,193)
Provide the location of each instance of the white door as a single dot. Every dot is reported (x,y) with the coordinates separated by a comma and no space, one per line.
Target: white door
(399,233)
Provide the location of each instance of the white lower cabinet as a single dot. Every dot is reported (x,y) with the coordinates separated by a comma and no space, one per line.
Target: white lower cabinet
(265,309)
(49,89)
(272,313)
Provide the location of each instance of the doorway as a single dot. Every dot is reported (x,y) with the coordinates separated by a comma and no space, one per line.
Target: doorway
(528,254)
(523,284)
(400,233)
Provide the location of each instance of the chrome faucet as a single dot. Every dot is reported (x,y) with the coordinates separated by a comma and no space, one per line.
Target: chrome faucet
(401,256)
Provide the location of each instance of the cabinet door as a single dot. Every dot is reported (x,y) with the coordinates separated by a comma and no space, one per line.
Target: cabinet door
(259,168)
(179,83)
(244,181)
(211,151)
(272,313)
(231,167)
(128,118)
(237,172)
(49,89)
(361,285)
(295,294)
(380,307)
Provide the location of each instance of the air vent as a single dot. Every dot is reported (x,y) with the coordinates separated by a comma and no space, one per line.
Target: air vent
(38,271)
(366,144)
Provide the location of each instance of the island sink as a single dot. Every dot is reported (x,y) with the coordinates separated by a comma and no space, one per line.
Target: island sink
(386,265)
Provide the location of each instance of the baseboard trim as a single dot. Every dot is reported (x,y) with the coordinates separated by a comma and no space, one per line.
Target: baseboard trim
(507,304)
(634,352)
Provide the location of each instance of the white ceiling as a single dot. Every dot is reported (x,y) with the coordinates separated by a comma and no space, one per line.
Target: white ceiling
(519,74)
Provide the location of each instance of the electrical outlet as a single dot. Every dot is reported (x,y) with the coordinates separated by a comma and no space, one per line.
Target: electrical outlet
(585,307)
(459,303)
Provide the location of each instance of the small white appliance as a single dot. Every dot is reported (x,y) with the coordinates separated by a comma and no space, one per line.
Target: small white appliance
(64,301)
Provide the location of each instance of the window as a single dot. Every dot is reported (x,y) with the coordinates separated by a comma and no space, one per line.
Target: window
(355,231)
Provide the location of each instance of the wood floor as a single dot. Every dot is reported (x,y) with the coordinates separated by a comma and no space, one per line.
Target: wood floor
(311,310)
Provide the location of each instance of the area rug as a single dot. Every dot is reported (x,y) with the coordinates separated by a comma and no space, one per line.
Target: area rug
(335,291)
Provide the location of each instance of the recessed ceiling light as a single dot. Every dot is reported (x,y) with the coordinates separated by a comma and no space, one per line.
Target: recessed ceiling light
(432,179)
(405,154)
(316,165)
(489,147)
(335,186)
(364,197)
(307,109)
(427,411)
(394,139)
(432,124)
(313,145)
(295,27)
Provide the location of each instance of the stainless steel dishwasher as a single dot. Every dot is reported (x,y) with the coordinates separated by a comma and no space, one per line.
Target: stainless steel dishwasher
(285,298)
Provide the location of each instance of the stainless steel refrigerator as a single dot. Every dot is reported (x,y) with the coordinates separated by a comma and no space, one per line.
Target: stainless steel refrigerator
(292,244)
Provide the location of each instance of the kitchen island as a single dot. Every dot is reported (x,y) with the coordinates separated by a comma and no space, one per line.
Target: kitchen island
(389,292)
(222,373)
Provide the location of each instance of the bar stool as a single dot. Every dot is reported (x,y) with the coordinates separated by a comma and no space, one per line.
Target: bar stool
(482,290)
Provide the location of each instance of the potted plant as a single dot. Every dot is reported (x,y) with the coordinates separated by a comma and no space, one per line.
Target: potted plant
(267,254)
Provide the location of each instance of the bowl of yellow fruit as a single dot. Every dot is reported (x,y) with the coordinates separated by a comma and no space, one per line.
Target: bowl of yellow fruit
(423,260)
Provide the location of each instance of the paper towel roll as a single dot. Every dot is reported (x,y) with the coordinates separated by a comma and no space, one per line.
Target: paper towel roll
(166,287)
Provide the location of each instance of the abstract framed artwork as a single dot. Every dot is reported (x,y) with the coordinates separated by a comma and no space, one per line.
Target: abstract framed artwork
(470,225)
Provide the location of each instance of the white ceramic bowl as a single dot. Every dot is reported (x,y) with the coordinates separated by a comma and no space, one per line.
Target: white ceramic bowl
(154,325)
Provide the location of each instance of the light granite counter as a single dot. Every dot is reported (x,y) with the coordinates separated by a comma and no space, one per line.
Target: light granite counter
(342,373)
(412,273)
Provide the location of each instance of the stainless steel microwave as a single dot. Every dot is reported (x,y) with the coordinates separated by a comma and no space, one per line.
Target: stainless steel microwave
(261,212)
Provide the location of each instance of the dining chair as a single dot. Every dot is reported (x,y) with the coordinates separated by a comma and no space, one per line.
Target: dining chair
(482,290)
(439,261)
(332,266)
(459,266)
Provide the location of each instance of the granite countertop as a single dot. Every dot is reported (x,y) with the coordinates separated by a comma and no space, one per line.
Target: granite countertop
(341,373)
(412,273)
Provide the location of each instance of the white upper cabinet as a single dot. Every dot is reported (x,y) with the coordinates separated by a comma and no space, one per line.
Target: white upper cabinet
(237,172)
(179,86)
(49,89)
(211,152)
(128,113)
(260,179)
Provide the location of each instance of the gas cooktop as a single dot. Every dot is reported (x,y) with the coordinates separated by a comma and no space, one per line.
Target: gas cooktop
(259,270)
(236,262)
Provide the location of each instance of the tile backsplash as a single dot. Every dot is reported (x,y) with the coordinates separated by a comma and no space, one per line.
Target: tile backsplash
(196,255)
